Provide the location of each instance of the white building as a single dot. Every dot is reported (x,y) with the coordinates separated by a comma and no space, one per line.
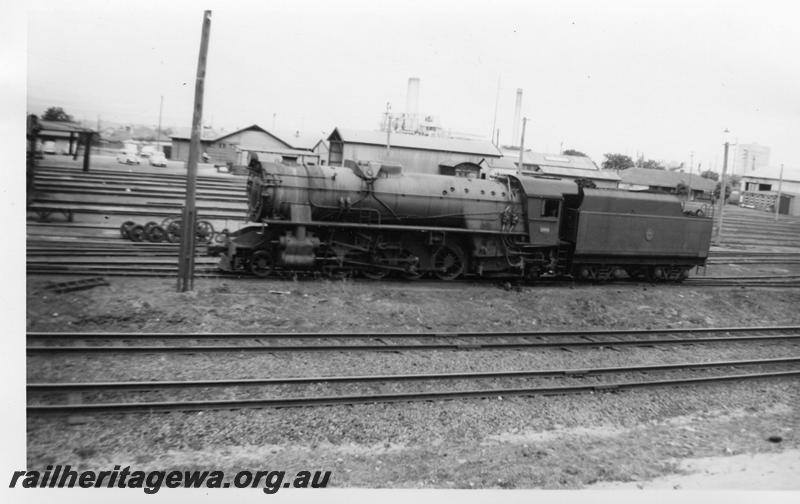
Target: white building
(760,190)
(748,158)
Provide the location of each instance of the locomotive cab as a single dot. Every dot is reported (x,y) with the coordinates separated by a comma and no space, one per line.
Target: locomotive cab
(544,208)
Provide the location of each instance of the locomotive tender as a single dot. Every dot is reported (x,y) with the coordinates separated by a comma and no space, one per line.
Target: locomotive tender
(374,219)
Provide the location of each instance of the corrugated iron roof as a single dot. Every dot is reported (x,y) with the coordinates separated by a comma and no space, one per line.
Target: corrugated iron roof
(206,134)
(292,139)
(664,178)
(555,164)
(288,152)
(580,173)
(558,160)
(421,142)
(62,126)
(297,140)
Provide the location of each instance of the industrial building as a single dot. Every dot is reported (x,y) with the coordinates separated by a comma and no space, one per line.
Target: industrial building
(415,153)
(759,189)
(644,179)
(234,148)
(557,165)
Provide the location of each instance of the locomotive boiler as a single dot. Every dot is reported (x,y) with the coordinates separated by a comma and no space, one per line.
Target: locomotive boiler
(376,220)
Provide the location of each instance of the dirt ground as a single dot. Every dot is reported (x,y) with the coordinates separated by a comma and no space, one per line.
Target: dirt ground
(678,438)
(149,305)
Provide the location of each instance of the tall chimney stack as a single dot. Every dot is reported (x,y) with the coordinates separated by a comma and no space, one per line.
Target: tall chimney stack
(517,117)
(412,104)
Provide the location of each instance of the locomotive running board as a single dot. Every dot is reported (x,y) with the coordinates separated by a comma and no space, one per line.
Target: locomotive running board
(382,227)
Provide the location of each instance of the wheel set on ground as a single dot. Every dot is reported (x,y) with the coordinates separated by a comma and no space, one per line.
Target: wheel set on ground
(168,230)
(151,232)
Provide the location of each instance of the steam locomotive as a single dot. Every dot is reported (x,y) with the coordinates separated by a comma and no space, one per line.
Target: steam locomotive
(375,220)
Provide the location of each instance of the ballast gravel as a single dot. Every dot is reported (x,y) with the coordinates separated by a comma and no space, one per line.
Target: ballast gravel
(503,442)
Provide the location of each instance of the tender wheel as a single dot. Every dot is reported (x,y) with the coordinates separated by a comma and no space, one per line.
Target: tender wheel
(125,228)
(448,263)
(261,264)
(156,234)
(136,233)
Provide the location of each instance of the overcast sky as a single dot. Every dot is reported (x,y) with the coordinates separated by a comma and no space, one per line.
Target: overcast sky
(662,78)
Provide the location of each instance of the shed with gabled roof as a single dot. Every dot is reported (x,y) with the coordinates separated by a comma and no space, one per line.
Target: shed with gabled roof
(644,179)
(234,147)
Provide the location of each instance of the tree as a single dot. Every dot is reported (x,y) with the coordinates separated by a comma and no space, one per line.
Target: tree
(649,164)
(617,162)
(682,189)
(573,152)
(710,175)
(56,114)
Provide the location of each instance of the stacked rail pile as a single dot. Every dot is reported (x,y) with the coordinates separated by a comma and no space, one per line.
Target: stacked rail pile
(99,202)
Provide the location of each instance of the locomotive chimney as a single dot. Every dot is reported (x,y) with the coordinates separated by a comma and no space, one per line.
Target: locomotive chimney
(412,103)
(517,114)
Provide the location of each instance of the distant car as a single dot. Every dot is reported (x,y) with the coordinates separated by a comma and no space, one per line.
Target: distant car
(125,157)
(697,207)
(158,159)
(147,151)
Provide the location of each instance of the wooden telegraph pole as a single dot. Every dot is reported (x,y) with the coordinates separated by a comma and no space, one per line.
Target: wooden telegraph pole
(186,257)
(522,146)
(388,130)
(780,188)
(722,194)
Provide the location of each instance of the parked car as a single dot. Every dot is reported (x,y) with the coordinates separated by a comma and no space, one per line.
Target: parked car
(158,159)
(127,157)
(697,207)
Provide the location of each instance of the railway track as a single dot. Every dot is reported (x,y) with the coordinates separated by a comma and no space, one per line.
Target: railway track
(60,398)
(88,343)
(105,198)
(102,397)
(163,263)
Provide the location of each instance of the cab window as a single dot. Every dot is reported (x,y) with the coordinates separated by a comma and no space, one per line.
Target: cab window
(550,208)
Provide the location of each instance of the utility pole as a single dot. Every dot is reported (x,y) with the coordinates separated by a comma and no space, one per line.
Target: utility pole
(496,103)
(186,257)
(722,193)
(522,146)
(388,129)
(158,135)
(691,169)
(780,187)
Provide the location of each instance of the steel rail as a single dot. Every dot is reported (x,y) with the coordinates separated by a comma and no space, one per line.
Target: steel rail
(575,372)
(394,347)
(433,334)
(228,404)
